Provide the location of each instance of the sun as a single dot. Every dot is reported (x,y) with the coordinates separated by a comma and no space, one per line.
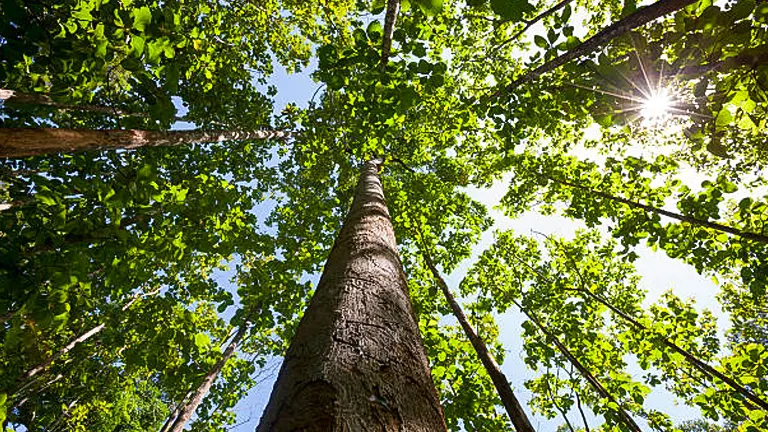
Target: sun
(656,106)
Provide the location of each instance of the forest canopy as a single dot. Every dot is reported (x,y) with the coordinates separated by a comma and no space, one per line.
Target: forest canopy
(169,228)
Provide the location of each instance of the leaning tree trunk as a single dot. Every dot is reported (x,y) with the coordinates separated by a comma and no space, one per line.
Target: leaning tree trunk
(186,412)
(515,411)
(17,143)
(357,362)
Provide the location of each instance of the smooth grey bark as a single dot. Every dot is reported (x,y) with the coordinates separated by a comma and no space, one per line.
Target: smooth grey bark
(513,407)
(357,361)
(21,142)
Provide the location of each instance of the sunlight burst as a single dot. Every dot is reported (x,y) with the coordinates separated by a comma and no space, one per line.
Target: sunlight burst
(656,106)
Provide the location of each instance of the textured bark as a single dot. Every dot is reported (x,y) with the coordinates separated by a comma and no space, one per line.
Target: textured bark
(393,7)
(186,412)
(683,218)
(357,362)
(16,143)
(640,17)
(591,379)
(515,411)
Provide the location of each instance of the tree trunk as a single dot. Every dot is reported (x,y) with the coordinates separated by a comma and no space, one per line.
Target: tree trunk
(591,379)
(357,362)
(12,97)
(515,411)
(189,408)
(17,143)
(390,18)
(640,17)
(683,218)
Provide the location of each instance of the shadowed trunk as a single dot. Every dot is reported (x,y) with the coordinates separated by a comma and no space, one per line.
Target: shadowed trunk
(17,143)
(515,411)
(357,362)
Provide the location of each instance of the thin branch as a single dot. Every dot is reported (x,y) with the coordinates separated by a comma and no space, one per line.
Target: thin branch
(591,379)
(530,23)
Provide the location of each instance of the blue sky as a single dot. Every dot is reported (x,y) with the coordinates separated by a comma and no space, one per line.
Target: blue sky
(659,274)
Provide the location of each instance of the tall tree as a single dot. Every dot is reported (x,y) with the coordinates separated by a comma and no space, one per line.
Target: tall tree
(515,411)
(357,361)
(17,143)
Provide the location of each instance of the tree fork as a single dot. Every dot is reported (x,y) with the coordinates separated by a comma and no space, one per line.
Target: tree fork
(513,407)
(22,142)
(357,361)
(683,218)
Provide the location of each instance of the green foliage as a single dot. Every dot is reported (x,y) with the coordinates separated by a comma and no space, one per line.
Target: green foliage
(136,244)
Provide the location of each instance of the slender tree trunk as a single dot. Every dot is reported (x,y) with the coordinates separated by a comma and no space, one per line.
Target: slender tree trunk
(638,18)
(591,379)
(175,412)
(515,411)
(189,408)
(390,19)
(12,97)
(691,220)
(17,143)
(357,362)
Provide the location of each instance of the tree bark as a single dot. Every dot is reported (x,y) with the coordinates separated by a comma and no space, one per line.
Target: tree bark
(189,408)
(357,362)
(515,411)
(683,218)
(17,143)
(640,17)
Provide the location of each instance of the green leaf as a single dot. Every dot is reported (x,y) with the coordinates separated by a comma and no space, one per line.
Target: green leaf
(511,10)
(202,340)
(137,44)
(375,30)
(142,17)
(540,41)
(430,7)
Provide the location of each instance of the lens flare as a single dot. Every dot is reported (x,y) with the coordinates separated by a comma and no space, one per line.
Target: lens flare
(656,106)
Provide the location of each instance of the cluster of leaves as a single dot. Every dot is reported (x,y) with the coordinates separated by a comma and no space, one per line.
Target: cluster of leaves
(579,293)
